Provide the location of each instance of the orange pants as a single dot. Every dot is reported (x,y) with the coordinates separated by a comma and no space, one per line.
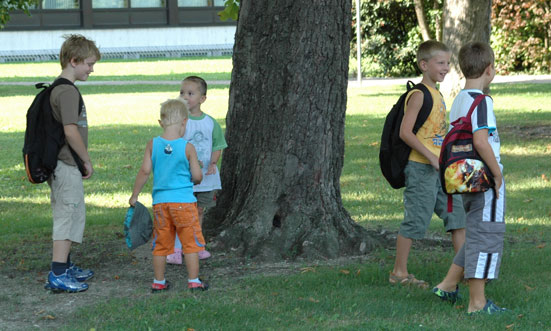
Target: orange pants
(172,219)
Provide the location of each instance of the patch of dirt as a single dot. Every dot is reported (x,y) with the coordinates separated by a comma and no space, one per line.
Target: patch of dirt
(528,132)
(26,305)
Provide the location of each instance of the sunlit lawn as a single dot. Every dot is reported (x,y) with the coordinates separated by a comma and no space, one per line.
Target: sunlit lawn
(123,118)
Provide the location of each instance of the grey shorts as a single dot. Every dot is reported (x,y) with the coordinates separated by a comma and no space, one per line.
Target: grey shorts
(67,200)
(481,254)
(423,196)
(205,199)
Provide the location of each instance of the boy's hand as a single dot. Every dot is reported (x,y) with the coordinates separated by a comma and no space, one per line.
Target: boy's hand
(212,169)
(498,180)
(434,162)
(132,201)
(89,169)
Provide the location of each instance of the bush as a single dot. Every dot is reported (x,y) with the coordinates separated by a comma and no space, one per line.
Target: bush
(520,35)
(390,36)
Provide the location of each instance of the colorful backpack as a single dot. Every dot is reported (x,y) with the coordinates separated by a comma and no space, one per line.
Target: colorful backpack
(462,170)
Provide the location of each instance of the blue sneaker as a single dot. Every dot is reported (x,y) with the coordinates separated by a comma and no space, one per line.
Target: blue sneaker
(80,274)
(490,308)
(64,283)
(447,296)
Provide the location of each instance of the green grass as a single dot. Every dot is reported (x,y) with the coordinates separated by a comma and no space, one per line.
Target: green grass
(355,296)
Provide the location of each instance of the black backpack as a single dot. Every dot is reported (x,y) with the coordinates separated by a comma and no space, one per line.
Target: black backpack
(44,136)
(394,152)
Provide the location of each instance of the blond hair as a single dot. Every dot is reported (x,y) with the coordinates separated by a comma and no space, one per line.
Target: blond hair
(77,47)
(428,49)
(173,111)
(474,58)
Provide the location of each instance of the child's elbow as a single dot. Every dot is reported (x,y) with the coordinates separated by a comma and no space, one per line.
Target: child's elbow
(145,172)
(480,141)
(197,179)
(402,135)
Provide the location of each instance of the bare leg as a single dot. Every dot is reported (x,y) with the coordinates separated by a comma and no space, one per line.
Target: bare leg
(200,211)
(477,298)
(453,277)
(403,246)
(458,239)
(159,265)
(60,251)
(192,265)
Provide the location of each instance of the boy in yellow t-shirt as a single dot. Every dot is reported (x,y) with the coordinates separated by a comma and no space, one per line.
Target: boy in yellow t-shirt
(423,194)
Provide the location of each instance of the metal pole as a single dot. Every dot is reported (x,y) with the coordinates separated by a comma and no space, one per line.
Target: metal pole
(358,44)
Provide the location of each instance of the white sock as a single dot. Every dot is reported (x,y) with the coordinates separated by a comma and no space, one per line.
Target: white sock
(196,280)
(162,282)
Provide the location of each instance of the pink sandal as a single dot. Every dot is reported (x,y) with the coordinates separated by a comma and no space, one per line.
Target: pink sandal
(175,258)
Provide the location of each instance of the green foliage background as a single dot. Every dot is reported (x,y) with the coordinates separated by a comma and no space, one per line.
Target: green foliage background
(521,33)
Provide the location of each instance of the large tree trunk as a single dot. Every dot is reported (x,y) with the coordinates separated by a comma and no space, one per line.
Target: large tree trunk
(463,21)
(285,131)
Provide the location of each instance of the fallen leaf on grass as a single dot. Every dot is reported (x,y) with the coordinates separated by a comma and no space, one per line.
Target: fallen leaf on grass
(540,246)
(510,326)
(128,166)
(49,317)
(358,272)
(117,277)
(543,177)
(528,288)
(344,271)
(313,300)
(528,200)
(459,306)
(376,143)
(39,312)
(307,269)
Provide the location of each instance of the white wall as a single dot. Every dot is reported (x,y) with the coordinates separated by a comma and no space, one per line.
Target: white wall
(109,38)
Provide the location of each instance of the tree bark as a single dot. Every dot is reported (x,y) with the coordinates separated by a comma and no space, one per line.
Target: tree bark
(463,21)
(422,20)
(437,21)
(285,131)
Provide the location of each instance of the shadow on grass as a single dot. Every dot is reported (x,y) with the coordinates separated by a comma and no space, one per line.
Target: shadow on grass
(30,90)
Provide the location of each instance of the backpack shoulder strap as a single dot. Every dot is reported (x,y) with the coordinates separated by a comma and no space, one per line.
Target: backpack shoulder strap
(426,108)
(61,81)
(65,81)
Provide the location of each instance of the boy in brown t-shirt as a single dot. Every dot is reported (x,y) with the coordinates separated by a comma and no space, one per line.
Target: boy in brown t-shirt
(77,56)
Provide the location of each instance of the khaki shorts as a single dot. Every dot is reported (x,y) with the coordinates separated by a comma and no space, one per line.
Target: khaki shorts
(67,199)
(172,219)
(423,196)
(205,199)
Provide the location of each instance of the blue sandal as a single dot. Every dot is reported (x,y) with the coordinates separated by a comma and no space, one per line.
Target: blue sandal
(490,308)
(447,296)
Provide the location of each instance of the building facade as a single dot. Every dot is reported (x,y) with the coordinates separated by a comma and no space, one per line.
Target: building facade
(121,28)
